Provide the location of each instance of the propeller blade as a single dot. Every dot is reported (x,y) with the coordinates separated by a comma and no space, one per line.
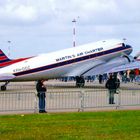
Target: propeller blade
(137,55)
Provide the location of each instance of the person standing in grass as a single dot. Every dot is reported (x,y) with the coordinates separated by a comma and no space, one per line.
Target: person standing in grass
(41,90)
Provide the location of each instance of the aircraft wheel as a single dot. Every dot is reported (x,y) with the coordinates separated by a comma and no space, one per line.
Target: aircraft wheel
(3,88)
(80,82)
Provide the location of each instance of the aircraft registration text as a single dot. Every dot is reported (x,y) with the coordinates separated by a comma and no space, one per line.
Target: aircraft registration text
(21,69)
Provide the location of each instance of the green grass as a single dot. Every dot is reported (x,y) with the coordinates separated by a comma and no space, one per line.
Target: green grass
(114,125)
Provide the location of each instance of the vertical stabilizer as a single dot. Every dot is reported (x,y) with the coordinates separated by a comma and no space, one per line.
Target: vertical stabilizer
(4,60)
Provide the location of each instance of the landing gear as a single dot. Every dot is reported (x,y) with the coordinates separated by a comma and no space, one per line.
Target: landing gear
(80,81)
(3,87)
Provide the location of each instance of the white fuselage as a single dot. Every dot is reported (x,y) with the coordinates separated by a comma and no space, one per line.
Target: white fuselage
(69,62)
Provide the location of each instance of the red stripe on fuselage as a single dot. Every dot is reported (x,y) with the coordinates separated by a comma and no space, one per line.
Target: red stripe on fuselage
(13,61)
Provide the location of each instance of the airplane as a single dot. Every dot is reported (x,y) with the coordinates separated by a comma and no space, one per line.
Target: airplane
(89,59)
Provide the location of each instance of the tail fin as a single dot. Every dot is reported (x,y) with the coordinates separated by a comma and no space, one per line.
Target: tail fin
(4,60)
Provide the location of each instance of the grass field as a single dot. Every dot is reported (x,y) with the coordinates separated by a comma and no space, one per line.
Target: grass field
(114,125)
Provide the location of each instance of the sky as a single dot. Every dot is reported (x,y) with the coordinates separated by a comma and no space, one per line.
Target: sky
(31,27)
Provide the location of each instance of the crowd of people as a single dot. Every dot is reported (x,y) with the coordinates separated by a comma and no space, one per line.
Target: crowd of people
(130,75)
(124,76)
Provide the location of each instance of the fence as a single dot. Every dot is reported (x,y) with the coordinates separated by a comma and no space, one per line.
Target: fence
(85,99)
(66,100)
(17,101)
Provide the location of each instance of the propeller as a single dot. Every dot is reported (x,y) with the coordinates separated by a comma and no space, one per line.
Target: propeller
(137,55)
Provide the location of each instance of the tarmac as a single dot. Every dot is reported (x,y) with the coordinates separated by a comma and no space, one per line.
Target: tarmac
(70,85)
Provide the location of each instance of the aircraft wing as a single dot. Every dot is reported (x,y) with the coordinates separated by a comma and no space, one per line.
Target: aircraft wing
(6,77)
(114,66)
(129,66)
(84,68)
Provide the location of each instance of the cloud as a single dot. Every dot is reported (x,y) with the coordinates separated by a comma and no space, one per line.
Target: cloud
(24,12)
(89,11)
(50,21)
(12,12)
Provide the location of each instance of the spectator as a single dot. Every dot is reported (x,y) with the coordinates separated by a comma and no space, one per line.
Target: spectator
(41,89)
(112,84)
(100,79)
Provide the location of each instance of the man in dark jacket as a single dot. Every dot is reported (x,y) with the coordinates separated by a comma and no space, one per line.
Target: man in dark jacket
(112,84)
(41,89)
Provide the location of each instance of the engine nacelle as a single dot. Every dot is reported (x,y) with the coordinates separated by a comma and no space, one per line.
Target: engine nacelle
(121,61)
